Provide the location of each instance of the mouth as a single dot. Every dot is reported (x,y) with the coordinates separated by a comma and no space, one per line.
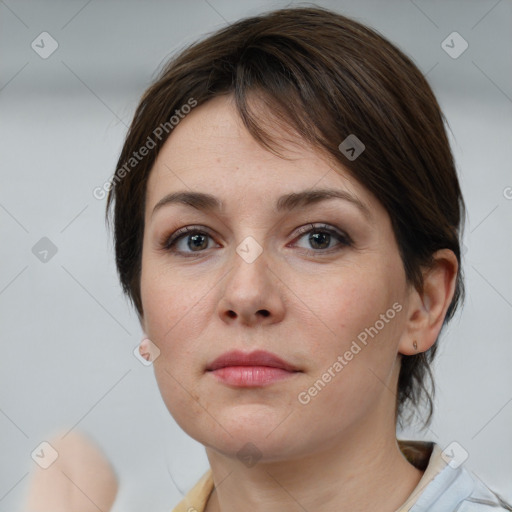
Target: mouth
(256,358)
(258,368)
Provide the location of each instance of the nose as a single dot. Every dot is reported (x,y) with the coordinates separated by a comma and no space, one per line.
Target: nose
(252,293)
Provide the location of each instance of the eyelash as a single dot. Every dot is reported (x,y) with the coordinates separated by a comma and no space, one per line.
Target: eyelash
(343,239)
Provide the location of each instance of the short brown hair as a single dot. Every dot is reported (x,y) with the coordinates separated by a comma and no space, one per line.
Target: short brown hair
(326,77)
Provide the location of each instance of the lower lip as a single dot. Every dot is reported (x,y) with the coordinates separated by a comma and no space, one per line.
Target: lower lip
(250,376)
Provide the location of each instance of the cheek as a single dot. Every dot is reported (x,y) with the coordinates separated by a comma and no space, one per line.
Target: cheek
(176,311)
(362,315)
(355,360)
(167,309)
(352,302)
(171,322)
(164,303)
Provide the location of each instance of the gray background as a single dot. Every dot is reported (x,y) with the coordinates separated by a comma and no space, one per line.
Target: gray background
(67,332)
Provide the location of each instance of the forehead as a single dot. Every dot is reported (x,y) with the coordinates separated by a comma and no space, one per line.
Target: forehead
(210,150)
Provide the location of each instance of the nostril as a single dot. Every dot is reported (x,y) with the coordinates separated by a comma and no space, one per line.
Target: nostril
(264,312)
(231,314)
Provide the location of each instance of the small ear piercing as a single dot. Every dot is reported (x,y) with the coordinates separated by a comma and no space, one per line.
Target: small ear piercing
(415,345)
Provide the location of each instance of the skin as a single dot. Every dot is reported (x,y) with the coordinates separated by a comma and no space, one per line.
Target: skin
(80,479)
(298,300)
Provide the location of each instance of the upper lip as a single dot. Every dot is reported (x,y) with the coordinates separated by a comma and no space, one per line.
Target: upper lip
(256,358)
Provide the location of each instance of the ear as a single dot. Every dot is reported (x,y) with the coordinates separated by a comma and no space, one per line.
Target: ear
(426,311)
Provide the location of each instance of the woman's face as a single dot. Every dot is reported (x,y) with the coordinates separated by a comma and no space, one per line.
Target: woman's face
(316,280)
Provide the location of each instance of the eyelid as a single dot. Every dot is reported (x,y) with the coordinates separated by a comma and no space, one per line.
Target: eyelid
(311,226)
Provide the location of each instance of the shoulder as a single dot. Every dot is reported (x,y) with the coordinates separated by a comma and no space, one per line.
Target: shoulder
(482,498)
(449,486)
(197,497)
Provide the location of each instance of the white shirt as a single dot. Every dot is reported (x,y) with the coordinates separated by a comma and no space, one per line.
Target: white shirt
(446,485)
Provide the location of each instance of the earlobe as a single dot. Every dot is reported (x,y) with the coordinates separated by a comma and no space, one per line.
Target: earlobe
(427,310)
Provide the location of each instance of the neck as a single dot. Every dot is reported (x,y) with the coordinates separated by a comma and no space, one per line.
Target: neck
(345,475)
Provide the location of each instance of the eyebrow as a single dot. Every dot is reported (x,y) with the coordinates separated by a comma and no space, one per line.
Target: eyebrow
(288,202)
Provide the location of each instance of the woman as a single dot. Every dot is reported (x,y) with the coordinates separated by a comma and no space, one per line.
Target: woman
(287,221)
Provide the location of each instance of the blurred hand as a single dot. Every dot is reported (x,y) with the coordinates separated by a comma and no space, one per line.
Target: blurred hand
(80,480)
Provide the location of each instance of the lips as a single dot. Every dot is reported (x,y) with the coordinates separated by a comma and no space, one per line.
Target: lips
(256,358)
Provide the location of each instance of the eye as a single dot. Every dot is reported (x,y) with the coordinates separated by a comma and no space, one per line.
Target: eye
(321,238)
(188,240)
(196,239)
